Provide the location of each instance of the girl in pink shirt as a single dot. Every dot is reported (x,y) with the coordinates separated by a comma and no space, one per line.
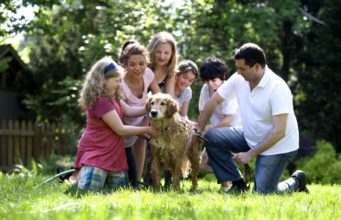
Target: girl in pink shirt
(137,80)
(101,156)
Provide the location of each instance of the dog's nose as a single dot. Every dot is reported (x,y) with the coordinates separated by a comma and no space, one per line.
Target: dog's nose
(153,113)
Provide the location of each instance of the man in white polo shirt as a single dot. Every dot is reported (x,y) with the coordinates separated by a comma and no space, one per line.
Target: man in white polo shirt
(269,132)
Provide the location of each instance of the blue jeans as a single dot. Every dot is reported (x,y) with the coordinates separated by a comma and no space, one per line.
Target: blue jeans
(221,141)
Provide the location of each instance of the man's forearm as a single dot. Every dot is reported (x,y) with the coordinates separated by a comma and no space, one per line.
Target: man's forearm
(275,135)
(270,140)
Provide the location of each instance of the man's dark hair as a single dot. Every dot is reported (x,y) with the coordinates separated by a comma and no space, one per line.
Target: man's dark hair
(251,53)
(213,68)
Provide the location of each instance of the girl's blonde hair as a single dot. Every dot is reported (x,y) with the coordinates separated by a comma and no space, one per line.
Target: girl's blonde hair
(93,86)
(162,38)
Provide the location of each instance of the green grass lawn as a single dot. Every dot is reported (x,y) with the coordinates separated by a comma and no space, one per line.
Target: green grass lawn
(20,200)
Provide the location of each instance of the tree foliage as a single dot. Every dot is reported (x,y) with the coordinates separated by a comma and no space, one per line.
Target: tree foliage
(318,93)
(324,166)
(301,40)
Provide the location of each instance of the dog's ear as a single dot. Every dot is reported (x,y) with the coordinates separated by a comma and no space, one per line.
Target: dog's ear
(172,107)
(148,105)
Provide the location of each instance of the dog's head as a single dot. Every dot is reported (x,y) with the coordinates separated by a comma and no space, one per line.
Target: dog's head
(161,105)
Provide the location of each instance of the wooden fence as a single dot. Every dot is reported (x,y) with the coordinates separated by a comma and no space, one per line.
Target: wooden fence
(22,142)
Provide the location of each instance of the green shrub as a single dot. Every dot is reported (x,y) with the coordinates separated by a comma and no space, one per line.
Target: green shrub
(324,166)
(49,165)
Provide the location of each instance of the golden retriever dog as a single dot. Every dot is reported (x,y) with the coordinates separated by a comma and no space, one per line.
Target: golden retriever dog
(170,149)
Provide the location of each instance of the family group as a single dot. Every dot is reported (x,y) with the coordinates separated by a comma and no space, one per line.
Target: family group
(245,115)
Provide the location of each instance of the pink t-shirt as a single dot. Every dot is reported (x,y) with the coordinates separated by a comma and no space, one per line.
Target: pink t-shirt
(99,145)
(132,100)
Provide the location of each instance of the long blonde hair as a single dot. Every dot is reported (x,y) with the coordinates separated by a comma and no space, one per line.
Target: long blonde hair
(93,86)
(156,41)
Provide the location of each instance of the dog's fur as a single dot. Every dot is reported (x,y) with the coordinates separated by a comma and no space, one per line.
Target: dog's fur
(170,149)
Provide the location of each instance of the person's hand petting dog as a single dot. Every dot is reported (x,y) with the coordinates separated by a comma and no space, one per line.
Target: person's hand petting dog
(152,132)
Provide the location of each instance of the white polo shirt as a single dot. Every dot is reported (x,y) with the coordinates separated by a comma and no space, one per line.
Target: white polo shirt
(270,97)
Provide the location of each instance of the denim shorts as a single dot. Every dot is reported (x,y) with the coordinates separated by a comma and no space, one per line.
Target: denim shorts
(95,179)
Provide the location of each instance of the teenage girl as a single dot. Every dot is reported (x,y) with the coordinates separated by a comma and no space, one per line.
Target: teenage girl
(163,59)
(137,81)
(186,73)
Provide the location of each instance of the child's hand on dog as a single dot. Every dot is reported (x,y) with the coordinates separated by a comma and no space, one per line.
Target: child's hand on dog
(152,132)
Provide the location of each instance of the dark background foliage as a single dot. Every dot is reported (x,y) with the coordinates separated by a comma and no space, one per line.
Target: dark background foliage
(301,40)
